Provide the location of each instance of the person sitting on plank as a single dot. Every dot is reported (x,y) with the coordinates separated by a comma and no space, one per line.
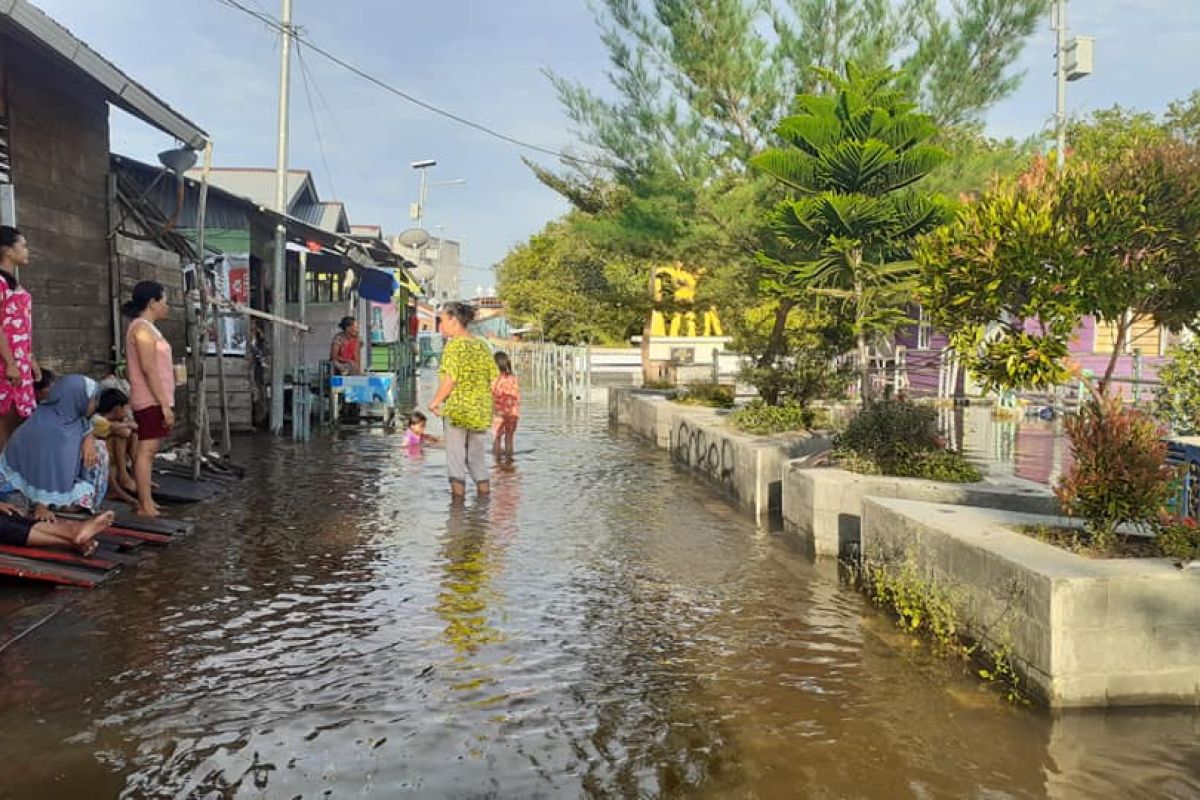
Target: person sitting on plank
(113,425)
(55,461)
(18,531)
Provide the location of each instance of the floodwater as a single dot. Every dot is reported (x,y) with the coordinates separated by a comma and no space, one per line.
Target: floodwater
(601,627)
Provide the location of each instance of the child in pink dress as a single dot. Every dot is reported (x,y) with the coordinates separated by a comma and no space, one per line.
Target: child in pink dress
(506,407)
(415,436)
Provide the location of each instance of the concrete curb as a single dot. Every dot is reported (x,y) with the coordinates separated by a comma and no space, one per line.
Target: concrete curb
(1083,632)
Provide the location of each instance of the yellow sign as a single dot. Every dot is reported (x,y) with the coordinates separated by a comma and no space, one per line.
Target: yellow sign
(681,286)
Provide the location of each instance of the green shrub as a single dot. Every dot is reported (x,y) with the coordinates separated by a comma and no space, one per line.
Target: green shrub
(1177,399)
(932,465)
(890,433)
(900,438)
(947,466)
(711,395)
(1177,537)
(763,419)
(1119,475)
(658,384)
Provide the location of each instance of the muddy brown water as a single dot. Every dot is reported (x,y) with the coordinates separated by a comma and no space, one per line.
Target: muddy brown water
(602,627)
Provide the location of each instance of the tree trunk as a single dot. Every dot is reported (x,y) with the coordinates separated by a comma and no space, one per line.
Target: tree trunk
(1118,350)
(864,367)
(775,342)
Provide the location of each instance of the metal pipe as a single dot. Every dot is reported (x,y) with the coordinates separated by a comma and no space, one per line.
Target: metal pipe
(1060,54)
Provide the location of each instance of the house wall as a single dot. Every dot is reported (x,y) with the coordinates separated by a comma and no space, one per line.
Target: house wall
(60,162)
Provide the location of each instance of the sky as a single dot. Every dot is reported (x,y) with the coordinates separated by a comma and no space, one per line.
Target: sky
(485,60)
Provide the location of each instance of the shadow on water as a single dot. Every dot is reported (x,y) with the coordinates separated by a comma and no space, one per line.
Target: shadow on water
(600,627)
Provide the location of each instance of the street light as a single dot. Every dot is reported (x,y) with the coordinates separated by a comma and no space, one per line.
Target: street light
(1073,60)
(418,208)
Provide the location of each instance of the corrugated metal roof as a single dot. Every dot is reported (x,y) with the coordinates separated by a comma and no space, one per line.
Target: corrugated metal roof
(34,25)
(258,184)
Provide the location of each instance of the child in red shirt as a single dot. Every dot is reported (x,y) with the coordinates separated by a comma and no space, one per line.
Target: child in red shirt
(506,407)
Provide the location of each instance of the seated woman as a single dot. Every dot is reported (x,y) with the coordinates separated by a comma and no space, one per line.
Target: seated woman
(345,352)
(18,531)
(55,461)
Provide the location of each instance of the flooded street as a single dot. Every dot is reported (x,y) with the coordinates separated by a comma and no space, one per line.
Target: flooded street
(601,627)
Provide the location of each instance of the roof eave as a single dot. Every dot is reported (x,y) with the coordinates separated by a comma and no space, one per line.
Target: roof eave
(123,91)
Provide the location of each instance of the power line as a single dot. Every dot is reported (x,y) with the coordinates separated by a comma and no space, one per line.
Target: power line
(387,87)
(312,112)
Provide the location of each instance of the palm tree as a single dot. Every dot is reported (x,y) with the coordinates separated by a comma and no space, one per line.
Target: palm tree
(850,160)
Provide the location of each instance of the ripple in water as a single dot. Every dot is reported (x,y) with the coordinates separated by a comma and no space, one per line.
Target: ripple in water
(601,627)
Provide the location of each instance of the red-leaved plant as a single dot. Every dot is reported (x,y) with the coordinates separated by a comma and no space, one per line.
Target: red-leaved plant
(1119,475)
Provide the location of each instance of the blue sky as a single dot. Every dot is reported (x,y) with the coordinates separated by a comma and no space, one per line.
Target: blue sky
(484,60)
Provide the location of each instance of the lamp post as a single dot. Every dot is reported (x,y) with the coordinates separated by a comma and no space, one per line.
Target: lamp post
(279,278)
(1073,60)
(418,209)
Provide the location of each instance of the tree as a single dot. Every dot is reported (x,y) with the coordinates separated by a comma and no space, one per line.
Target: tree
(558,282)
(699,85)
(851,161)
(1114,238)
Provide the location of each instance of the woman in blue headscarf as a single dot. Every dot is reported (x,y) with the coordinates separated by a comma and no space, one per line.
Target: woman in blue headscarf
(54,461)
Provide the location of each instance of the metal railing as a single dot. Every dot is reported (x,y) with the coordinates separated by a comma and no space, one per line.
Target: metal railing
(561,370)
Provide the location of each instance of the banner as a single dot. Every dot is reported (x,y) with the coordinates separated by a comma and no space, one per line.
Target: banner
(385,323)
(230,281)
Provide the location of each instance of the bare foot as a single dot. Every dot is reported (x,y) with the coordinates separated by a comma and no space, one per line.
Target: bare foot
(149,513)
(88,530)
(129,485)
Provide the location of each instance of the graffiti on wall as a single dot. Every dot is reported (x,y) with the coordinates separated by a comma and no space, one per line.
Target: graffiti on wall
(711,456)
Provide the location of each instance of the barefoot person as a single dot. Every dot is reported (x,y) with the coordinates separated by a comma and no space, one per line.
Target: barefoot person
(53,459)
(506,407)
(151,384)
(464,399)
(19,369)
(19,531)
(118,433)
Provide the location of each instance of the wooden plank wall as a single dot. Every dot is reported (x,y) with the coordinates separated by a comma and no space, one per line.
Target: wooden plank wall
(59,144)
(238,390)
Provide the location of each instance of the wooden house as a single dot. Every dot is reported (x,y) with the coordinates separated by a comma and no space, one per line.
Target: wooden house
(56,186)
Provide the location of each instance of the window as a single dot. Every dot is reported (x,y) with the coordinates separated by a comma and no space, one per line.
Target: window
(1143,336)
(326,287)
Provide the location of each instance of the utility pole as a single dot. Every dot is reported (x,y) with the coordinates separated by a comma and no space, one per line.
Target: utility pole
(279,284)
(1060,56)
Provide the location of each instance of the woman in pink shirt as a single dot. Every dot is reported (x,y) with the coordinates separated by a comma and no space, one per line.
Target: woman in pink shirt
(18,367)
(151,384)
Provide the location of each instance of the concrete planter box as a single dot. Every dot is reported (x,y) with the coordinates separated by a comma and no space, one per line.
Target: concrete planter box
(1084,632)
(824,504)
(748,468)
(645,411)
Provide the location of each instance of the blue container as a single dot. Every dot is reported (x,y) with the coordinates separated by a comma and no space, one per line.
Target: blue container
(364,389)
(1185,451)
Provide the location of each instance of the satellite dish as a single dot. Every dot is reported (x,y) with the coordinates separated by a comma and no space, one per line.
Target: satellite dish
(423,272)
(414,237)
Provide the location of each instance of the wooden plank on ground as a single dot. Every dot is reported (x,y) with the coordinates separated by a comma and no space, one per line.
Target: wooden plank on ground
(59,557)
(118,541)
(178,489)
(58,574)
(144,536)
(127,519)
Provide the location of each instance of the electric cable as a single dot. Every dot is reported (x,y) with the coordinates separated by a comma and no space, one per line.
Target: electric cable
(312,112)
(279,27)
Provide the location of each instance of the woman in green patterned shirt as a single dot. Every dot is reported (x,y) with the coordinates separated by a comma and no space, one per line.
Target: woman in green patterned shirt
(464,399)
